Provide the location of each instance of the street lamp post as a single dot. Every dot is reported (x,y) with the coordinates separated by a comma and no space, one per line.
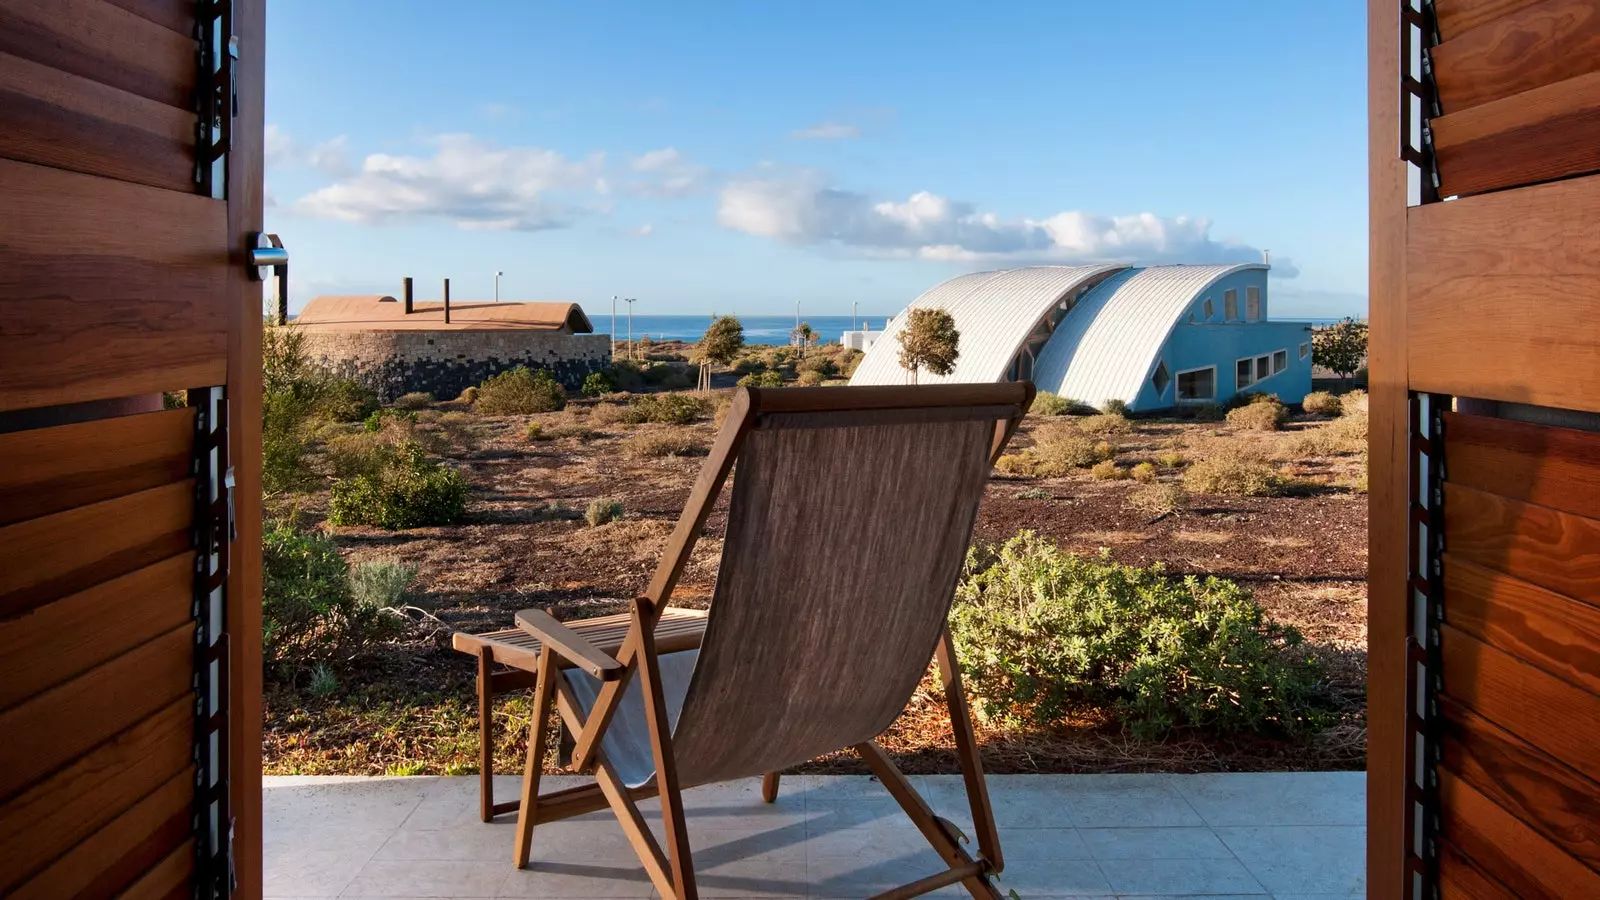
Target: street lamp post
(497,286)
(630,301)
(613,327)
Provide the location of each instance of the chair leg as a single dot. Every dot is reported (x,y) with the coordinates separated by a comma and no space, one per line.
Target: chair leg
(655,710)
(967,751)
(769,786)
(527,812)
(486,732)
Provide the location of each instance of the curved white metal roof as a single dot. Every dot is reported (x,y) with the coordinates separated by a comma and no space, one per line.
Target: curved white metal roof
(1105,347)
(994,313)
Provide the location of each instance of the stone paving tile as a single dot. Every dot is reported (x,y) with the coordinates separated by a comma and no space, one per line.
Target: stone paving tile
(1154,843)
(1179,876)
(1302,858)
(1277,798)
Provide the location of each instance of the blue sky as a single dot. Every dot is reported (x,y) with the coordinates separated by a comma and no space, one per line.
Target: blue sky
(740,157)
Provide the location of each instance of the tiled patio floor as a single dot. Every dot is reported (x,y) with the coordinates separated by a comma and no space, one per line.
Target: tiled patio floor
(1290,835)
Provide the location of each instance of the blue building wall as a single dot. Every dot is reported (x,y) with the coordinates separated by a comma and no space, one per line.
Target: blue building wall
(1198,341)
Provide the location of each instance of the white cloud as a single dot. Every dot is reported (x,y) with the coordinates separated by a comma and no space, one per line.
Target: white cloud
(802,208)
(666,173)
(278,147)
(467,181)
(497,112)
(282,152)
(645,230)
(827,131)
(332,157)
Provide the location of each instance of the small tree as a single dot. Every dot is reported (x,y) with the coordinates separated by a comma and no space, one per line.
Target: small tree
(1340,347)
(721,343)
(804,335)
(929,342)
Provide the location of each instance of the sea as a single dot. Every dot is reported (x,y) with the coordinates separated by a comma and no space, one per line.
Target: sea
(757,329)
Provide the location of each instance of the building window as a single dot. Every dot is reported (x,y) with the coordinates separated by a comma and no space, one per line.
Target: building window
(1244,374)
(1197,384)
(1280,361)
(1252,303)
(1305,350)
(1209,309)
(1230,304)
(1161,379)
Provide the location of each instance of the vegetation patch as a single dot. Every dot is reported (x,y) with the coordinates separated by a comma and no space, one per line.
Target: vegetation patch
(662,442)
(413,401)
(667,409)
(520,392)
(601,511)
(1040,633)
(404,489)
(1263,412)
(1232,474)
(309,612)
(1105,423)
(1322,403)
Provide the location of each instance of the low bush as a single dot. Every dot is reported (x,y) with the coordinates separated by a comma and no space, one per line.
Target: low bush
(1343,436)
(769,378)
(407,490)
(554,511)
(470,395)
(1105,423)
(1040,633)
(519,392)
(345,400)
(1059,448)
(601,511)
(662,442)
(375,422)
(1035,494)
(1264,412)
(823,366)
(583,433)
(598,384)
(1171,459)
(536,432)
(380,584)
(810,379)
(1108,470)
(454,430)
(413,401)
(608,414)
(1321,403)
(1232,474)
(1048,404)
(1159,499)
(1206,412)
(657,372)
(1144,473)
(308,611)
(1353,402)
(1115,407)
(847,360)
(667,409)
(1021,464)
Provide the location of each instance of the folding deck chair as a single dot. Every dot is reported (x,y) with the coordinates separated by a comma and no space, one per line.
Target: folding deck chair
(848,525)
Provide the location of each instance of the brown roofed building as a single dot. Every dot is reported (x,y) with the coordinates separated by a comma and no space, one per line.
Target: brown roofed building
(373,339)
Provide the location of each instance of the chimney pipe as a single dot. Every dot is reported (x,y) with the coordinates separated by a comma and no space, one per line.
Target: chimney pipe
(447,301)
(1266,257)
(406,289)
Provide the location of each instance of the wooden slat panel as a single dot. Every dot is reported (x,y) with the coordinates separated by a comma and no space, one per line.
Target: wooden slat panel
(67,552)
(1524,781)
(49,470)
(1539,135)
(1554,467)
(107,289)
(1461,879)
(1500,295)
(1536,45)
(177,15)
(1551,549)
(60,725)
(117,855)
(1557,717)
(104,43)
(58,641)
(61,811)
(1457,16)
(1556,633)
(55,118)
(1508,850)
(169,878)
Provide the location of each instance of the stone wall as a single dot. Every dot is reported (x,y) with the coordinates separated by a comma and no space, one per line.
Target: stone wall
(445,363)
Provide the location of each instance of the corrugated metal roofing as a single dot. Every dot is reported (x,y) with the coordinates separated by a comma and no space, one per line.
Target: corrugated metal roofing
(378,312)
(1106,346)
(994,313)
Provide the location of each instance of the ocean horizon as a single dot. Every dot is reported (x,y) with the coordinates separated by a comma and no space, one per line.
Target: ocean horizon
(766,329)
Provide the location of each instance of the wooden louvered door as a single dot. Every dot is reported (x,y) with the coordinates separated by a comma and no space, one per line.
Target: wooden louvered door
(130,188)
(1484,608)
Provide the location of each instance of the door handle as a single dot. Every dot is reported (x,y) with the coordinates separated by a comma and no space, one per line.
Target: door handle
(266,255)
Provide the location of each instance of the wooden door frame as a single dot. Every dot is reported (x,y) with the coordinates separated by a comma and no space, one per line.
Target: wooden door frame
(245,189)
(1388,537)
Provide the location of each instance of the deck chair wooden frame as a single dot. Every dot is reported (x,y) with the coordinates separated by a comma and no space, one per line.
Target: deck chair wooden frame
(565,651)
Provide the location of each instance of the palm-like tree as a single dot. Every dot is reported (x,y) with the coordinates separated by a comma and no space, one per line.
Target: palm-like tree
(804,335)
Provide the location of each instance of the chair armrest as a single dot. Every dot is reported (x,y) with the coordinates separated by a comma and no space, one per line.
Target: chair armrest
(574,647)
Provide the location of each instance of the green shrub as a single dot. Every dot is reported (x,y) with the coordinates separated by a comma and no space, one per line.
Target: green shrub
(554,511)
(374,422)
(749,365)
(407,491)
(1041,633)
(345,400)
(1062,447)
(1021,464)
(768,379)
(1172,459)
(1232,474)
(1344,436)
(536,432)
(1048,404)
(1264,412)
(810,379)
(307,609)
(323,682)
(663,442)
(381,584)
(578,430)
(1115,407)
(601,511)
(1321,403)
(413,401)
(598,384)
(666,409)
(1206,412)
(520,392)
(847,360)
(1144,473)
(1105,423)
(1035,494)
(823,366)
(1108,470)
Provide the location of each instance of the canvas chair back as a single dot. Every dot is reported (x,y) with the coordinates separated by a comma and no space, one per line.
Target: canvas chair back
(847,531)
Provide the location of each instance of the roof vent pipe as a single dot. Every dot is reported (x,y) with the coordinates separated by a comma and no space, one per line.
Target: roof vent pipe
(447,301)
(1266,257)
(405,288)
